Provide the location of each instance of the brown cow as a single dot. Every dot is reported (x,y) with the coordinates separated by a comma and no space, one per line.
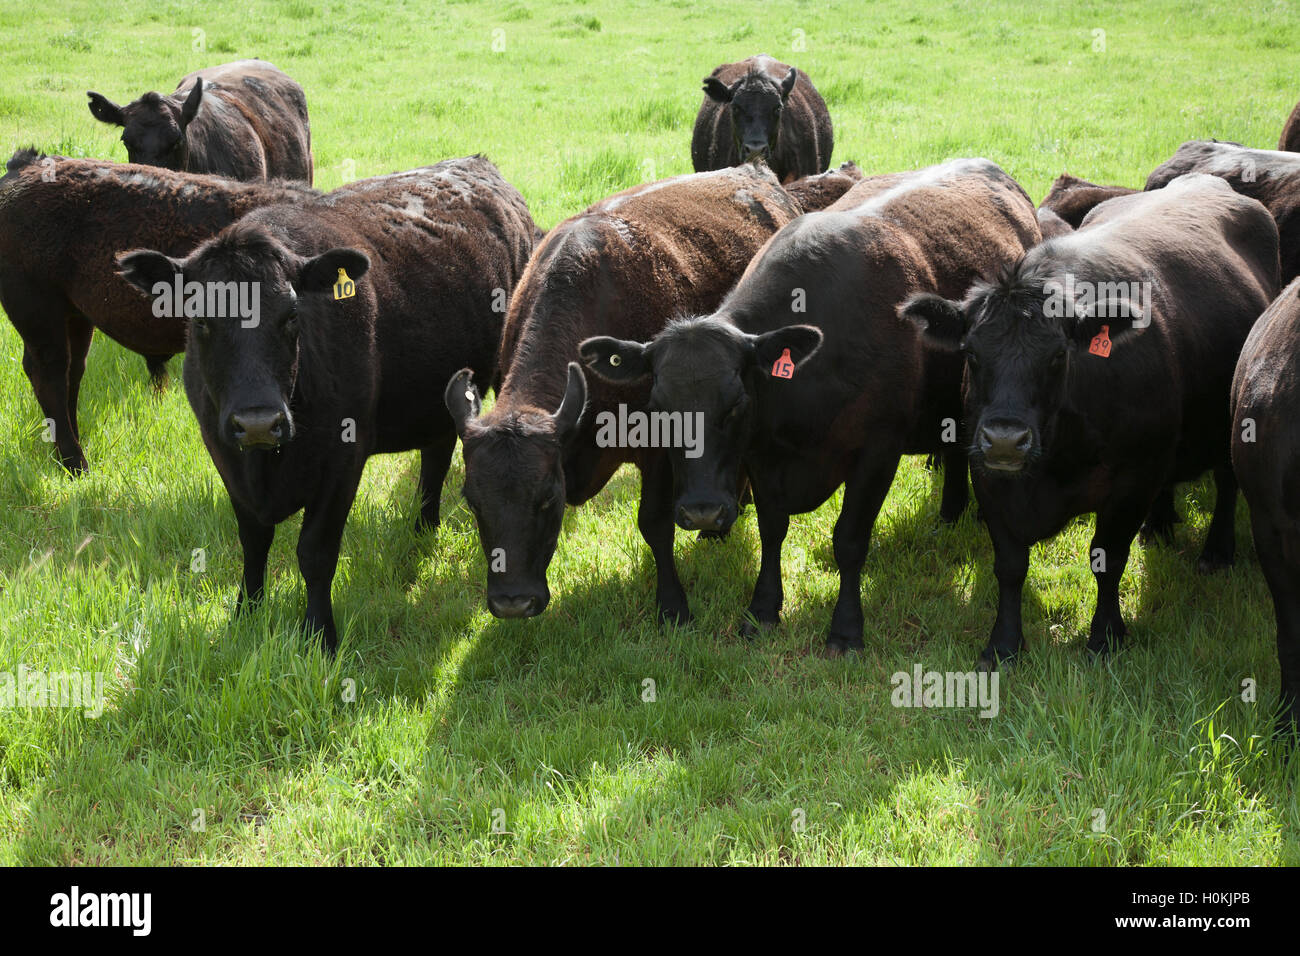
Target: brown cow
(1290,140)
(762,109)
(625,266)
(820,190)
(62,221)
(1072,198)
(245,120)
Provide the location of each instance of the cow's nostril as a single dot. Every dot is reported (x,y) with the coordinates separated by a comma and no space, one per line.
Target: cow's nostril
(258,426)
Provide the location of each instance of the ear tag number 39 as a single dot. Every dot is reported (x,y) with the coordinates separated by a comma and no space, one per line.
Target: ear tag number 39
(784,366)
(1100,344)
(344,288)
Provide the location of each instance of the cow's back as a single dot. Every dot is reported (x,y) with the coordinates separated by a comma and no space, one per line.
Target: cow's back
(253,123)
(631,262)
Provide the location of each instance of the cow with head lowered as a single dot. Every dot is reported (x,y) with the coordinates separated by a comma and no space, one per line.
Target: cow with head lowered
(624,267)
(806,379)
(762,110)
(364,297)
(1098,370)
(246,120)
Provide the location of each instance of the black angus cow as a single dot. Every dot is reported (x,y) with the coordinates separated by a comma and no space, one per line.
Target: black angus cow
(1271,176)
(246,120)
(1098,371)
(626,266)
(762,109)
(807,379)
(366,296)
(1266,457)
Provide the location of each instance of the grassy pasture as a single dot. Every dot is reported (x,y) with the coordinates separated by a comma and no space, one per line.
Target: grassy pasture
(472,740)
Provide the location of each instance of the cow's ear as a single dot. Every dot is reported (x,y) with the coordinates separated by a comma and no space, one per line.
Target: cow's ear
(105,110)
(615,360)
(770,347)
(940,320)
(787,85)
(320,274)
(462,399)
(716,90)
(573,404)
(145,269)
(192,103)
(1103,324)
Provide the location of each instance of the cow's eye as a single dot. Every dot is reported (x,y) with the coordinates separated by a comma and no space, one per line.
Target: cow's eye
(971,360)
(291,326)
(1058,360)
(200,326)
(736,408)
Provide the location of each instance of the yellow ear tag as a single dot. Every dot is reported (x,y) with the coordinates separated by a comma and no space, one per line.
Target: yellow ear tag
(345,288)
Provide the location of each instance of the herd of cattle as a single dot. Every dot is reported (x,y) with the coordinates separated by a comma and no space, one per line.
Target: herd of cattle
(1081,357)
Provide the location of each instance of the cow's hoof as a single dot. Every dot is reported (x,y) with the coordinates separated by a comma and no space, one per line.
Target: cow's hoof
(1157,534)
(751,627)
(1104,643)
(991,659)
(843,646)
(673,617)
(1211,562)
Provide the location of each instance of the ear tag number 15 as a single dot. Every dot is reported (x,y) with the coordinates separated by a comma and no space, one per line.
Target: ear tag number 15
(784,366)
(344,288)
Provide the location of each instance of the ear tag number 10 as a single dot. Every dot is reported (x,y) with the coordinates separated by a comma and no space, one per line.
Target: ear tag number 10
(784,366)
(344,288)
(1100,344)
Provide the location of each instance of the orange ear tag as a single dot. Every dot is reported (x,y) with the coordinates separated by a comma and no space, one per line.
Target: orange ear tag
(1100,344)
(784,366)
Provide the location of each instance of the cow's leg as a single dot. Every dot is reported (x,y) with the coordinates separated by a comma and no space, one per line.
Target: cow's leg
(1010,566)
(1162,517)
(1117,526)
(864,493)
(956,492)
(323,522)
(80,333)
(769,595)
(255,538)
(46,362)
(654,517)
(1283,580)
(1220,540)
(157,365)
(435,462)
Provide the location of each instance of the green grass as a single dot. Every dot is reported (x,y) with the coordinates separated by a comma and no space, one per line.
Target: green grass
(460,721)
